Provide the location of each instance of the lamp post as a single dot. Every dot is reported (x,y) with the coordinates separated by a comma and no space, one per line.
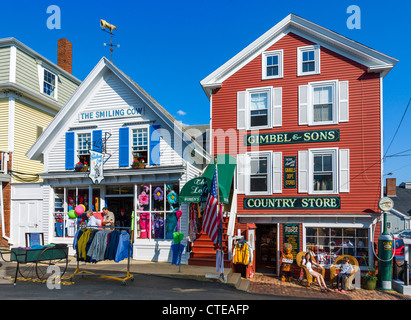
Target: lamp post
(385,248)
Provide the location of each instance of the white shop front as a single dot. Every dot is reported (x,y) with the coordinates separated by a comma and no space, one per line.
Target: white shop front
(146,158)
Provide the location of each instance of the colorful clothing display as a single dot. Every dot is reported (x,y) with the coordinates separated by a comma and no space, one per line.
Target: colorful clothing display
(145,225)
(242,253)
(93,245)
(171,225)
(177,250)
(158,227)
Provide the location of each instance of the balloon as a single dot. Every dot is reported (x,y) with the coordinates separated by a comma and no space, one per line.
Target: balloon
(79,210)
(83,207)
(72,214)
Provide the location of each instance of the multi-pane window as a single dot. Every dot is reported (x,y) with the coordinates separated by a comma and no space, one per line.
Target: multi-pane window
(49,83)
(140,144)
(259,109)
(272,64)
(83,147)
(259,173)
(83,143)
(157,216)
(323,172)
(323,104)
(329,243)
(308,60)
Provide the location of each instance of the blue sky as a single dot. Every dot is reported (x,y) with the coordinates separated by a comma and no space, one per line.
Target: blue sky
(168,47)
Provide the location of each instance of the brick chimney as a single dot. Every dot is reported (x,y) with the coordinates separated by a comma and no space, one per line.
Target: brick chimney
(391,187)
(64,54)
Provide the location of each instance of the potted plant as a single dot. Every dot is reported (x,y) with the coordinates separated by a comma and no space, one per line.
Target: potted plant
(138,164)
(370,279)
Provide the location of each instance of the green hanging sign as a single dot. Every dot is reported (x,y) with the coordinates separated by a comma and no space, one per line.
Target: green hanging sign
(292,137)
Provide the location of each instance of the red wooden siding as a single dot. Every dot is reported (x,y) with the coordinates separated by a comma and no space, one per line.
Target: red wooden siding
(361,134)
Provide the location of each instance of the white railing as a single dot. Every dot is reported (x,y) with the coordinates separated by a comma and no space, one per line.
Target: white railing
(231,223)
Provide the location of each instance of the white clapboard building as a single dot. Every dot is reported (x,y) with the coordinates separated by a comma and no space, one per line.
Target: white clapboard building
(147,156)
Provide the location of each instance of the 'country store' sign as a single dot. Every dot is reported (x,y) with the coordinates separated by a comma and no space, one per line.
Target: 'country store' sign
(292,203)
(292,137)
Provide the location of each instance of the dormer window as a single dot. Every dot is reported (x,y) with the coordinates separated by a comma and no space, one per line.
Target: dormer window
(272,64)
(49,83)
(308,59)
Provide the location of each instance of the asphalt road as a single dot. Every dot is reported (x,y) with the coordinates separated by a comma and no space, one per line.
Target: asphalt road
(144,287)
(163,296)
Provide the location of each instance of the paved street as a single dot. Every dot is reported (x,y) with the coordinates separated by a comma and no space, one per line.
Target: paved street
(163,281)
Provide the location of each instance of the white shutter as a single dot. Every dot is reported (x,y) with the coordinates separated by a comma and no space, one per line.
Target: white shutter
(303,105)
(241,110)
(242,172)
(302,164)
(277,172)
(277,107)
(344,170)
(343,101)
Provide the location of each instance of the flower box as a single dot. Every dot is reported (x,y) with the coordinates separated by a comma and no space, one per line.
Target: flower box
(139,166)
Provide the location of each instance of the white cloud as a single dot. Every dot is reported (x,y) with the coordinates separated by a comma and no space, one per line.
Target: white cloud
(181,112)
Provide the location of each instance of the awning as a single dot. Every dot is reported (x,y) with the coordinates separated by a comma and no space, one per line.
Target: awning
(193,190)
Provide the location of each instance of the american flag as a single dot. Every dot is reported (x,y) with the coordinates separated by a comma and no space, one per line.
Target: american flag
(211,220)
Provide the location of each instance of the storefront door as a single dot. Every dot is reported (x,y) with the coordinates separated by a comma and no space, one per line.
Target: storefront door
(116,204)
(266,248)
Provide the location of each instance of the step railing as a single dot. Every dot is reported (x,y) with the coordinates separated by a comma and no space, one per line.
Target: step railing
(231,223)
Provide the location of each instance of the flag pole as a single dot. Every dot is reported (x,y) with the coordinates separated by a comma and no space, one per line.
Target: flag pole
(220,224)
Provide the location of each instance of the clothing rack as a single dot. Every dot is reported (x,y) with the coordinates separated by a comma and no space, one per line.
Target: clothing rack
(120,277)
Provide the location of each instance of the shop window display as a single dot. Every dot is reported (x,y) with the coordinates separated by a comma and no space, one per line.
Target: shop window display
(66,200)
(329,243)
(158,214)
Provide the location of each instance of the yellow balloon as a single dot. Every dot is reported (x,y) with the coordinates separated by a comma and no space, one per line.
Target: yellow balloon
(83,207)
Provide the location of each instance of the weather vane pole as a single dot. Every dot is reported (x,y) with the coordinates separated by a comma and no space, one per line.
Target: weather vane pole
(104,24)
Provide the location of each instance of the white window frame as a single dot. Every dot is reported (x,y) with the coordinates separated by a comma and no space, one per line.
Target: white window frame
(300,51)
(77,143)
(269,156)
(249,92)
(279,54)
(41,70)
(131,128)
(335,106)
(335,159)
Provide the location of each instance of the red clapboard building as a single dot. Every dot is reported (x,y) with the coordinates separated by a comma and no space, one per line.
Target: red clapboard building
(301,110)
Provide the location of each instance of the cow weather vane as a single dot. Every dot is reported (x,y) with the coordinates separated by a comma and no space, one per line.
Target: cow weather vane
(105,25)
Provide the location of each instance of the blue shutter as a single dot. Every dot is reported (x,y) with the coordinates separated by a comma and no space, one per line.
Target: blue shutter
(70,136)
(154,145)
(97,140)
(124,152)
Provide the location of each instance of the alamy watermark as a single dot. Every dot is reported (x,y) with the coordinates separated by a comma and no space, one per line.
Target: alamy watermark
(354,20)
(54,20)
(54,280)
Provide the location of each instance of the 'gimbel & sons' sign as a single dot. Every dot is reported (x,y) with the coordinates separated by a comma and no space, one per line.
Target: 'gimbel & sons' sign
(292,137)
(292,203)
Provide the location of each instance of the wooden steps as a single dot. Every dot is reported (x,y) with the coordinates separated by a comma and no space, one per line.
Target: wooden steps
(203,252)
